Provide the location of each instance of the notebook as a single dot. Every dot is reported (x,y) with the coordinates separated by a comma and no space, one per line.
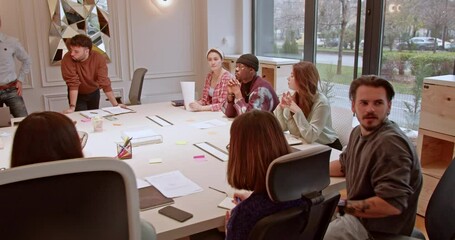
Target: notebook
(5,117)
(150,197)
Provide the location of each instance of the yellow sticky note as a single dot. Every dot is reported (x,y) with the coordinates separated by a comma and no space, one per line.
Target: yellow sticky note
(155,160)
(181,142)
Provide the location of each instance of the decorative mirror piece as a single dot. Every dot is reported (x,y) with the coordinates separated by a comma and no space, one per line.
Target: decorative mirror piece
(72,17)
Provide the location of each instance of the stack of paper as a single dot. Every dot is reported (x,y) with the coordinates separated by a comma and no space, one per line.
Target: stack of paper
(142,135)
(173,184)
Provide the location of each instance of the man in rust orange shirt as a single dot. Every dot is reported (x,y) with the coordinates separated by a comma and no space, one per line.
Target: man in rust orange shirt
(85,72)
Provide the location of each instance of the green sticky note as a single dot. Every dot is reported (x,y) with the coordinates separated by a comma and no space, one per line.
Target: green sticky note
(181,142)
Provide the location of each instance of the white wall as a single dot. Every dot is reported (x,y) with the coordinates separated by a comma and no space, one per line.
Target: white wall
(170,42)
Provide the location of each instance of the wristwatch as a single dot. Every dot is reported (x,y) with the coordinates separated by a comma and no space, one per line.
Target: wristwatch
(341,206)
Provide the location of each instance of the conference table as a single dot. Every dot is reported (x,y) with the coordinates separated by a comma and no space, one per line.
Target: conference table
(176,152)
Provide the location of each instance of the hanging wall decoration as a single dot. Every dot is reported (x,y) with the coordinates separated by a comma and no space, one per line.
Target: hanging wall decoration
(72,17)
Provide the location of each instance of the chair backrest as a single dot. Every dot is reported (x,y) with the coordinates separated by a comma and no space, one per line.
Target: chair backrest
(303,174)
(342,123)
(439,220)
(136,86)
(5,117)
(93,198)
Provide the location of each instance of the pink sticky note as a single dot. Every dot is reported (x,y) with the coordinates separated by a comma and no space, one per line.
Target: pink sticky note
(199,158)
(86,120)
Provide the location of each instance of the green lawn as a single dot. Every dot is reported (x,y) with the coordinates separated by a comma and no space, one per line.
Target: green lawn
(327,72)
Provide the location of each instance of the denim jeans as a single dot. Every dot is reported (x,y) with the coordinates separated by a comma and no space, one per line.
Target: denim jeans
(15,102)
(88,101)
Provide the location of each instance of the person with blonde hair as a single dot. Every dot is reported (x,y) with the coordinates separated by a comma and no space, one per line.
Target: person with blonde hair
(256,140)
(215,88)
(306,113)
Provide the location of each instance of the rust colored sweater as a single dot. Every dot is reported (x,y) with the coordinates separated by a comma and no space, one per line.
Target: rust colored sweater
(86,76)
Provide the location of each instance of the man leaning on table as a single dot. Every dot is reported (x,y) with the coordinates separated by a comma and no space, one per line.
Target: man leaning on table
(10,82)
(85,72)
(248,91)
(382,170)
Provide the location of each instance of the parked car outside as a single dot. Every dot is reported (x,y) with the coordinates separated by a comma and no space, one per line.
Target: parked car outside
(417,43)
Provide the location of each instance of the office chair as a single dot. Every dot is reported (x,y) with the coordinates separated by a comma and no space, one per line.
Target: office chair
(136,86)
(135,93)
(93,198)
(342,123)
(303,174)
(439,220)
(5,117)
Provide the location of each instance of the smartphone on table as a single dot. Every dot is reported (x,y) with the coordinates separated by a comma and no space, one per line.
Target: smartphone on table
(175,213)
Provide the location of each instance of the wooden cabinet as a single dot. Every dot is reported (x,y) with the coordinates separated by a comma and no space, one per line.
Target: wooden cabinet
(229,63)
(436,140)
(274,70)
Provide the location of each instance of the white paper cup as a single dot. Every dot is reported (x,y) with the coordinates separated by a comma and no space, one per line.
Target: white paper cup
(188,91)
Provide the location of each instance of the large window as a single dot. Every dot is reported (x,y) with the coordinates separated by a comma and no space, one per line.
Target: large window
(418,41)
(403,41)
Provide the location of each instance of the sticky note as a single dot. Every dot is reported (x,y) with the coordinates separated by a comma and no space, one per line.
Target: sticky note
(199,158)
(86,120)
(181,142)
(155,160)
(116,124)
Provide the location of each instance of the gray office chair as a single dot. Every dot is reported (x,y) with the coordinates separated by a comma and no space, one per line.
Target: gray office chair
(136,86)
(302,174)
(93,198)
(5,117)
(135,93)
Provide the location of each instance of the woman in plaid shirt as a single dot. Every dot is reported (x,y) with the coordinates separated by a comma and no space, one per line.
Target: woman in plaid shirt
(215,88)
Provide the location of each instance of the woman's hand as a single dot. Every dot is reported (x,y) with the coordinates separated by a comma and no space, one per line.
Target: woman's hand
(240,196)
(195,106)
(286,100)
(293,107)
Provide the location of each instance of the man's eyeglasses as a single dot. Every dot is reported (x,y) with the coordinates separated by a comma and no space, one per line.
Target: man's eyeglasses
(227,147)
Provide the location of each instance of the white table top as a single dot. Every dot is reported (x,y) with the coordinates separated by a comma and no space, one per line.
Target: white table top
(444,80)
(203,205)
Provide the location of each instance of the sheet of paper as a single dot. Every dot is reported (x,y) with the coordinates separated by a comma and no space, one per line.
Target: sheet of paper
(209,124)
(227,203)
(212,150)
(173,184)
(141,183)
(188,93)
(117,110)
(160,121)
(292,140)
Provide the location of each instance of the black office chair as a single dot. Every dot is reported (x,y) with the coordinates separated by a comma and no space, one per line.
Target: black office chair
(439,220)
(302,174)
(94,198)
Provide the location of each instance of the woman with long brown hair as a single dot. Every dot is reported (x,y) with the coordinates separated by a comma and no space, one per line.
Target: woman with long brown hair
(256,140)
(306,113)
